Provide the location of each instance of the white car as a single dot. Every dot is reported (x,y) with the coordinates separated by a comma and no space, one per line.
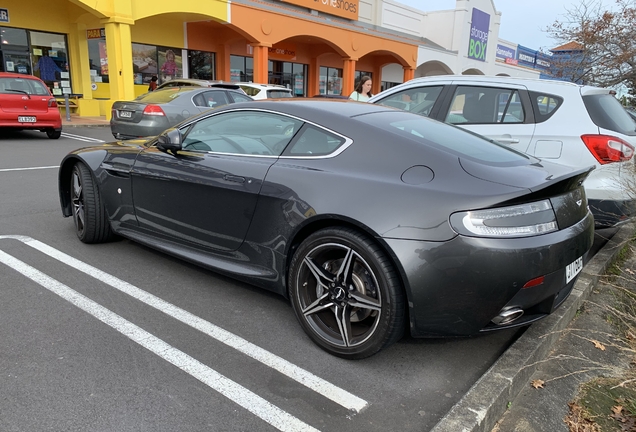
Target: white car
(562,122)
(265,91)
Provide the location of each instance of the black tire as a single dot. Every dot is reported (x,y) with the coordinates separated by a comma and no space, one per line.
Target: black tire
(89,213)
(346,294)
(53,134)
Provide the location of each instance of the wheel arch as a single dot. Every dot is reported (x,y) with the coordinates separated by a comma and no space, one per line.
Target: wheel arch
(64,175)
(333,221)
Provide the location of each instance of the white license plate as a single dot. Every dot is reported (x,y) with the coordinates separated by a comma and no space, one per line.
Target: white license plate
(26,119)
(125,114)
(573,269)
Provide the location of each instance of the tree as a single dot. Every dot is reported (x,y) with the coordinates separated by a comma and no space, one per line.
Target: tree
(604,43)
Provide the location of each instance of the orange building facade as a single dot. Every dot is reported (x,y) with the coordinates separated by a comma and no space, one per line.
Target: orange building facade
(109,49)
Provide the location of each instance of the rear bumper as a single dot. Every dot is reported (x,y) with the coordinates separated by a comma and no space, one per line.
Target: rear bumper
(43,122)
(458,287)
(145,128)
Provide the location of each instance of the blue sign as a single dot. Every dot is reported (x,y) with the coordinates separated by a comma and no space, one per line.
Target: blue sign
(526,56)
(543,61)
(478,41)
(505,52)
(4,15)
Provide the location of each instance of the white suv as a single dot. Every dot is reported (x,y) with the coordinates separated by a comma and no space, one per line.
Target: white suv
(562,122)
(265,91)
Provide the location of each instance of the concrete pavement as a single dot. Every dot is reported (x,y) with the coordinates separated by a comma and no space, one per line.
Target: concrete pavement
(77,121)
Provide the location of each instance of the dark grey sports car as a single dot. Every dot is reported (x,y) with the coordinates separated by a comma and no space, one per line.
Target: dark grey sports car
(371,220)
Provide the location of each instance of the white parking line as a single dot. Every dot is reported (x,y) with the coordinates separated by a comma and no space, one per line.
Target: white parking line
(311,381)
(255,404)
(81,138)
(31,168)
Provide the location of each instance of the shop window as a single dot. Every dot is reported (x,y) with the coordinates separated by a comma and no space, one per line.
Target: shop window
(330,81)
(98,60)
(170,63)
(50,61)
(241,69)
(144,58)
(288,74)
(201,65)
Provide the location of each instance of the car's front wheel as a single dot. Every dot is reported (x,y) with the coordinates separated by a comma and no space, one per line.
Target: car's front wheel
(89,213)
(53,134)
(346,294)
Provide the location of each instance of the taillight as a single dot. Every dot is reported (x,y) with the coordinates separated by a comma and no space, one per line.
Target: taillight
(607,149)
(52,103)
(153,110)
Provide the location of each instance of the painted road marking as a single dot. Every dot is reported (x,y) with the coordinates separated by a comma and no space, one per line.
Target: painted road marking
(255,404)
(306,378)
(81,138)
(32,168)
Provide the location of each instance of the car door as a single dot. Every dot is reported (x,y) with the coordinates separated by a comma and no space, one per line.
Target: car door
(501,112)
(204,196)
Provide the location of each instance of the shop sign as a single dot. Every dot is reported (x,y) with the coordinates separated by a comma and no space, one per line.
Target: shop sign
(526,56)
(543,61)
(478,41)
(512,61)
(4,15)
(95,33)
(282,51)
(342,8)
(504,52)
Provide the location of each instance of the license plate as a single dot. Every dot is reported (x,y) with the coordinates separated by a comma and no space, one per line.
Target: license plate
(125,114)
(573,269)
(26,119)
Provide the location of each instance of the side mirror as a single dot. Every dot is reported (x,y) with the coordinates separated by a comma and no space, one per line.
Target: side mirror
(169,140)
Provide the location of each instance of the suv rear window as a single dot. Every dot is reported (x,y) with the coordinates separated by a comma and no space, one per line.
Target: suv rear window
(279,94)
(608,113)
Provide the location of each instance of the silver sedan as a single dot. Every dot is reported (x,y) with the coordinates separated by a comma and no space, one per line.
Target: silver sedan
(153,112)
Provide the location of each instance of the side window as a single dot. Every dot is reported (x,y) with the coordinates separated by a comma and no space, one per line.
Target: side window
(416,100)
(240,97)
(485,105)
(242,133)
(213,99)
(313,141)
(544,105)
(251,91)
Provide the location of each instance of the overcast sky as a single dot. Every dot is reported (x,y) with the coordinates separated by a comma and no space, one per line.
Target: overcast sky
(521,22)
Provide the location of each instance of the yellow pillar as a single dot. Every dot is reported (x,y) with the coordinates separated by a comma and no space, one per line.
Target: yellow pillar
(80,70)
(409,73)
(120,65)
(261,63)
(348,76)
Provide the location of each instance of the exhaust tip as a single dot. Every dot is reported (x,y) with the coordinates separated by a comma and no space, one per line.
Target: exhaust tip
(507,316)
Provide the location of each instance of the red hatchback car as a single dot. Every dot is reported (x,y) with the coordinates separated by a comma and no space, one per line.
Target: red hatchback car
(27,103)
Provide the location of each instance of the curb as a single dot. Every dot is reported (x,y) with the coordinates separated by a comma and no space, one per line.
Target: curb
(487,400)
(72,125)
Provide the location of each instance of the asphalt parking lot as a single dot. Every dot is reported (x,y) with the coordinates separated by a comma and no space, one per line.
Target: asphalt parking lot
(120,337)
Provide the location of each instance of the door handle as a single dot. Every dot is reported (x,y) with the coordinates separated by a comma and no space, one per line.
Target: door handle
(233,178)
(507,140)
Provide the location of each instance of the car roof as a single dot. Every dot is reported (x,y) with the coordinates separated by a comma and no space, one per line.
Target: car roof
(264,86)
(200,83)
(530,82)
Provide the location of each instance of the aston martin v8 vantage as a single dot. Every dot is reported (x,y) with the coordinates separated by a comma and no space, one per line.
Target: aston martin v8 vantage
(373,221)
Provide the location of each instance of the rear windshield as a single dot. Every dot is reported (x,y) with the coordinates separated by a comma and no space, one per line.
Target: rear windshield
(447,137)
(23,85)
(279,94)
(163,95)
(608,113)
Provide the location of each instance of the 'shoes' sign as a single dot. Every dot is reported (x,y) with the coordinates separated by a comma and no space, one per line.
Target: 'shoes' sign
(478,41)
(342,8)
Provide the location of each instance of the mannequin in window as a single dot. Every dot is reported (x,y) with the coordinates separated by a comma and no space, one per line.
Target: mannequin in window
(47,67)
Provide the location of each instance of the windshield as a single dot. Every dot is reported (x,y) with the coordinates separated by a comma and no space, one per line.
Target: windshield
(450,138)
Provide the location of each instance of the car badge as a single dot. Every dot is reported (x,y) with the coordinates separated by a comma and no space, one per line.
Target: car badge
(579,202)
(24,98)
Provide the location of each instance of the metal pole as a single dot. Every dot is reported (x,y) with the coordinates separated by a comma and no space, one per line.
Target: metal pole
(68,109)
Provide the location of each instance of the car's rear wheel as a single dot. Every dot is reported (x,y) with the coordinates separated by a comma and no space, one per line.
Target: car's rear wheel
(53,134)
(89,213)
(346,294)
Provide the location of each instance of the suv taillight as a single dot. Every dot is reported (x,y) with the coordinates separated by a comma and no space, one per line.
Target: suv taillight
(154,110)
(52,103)
(607,149)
